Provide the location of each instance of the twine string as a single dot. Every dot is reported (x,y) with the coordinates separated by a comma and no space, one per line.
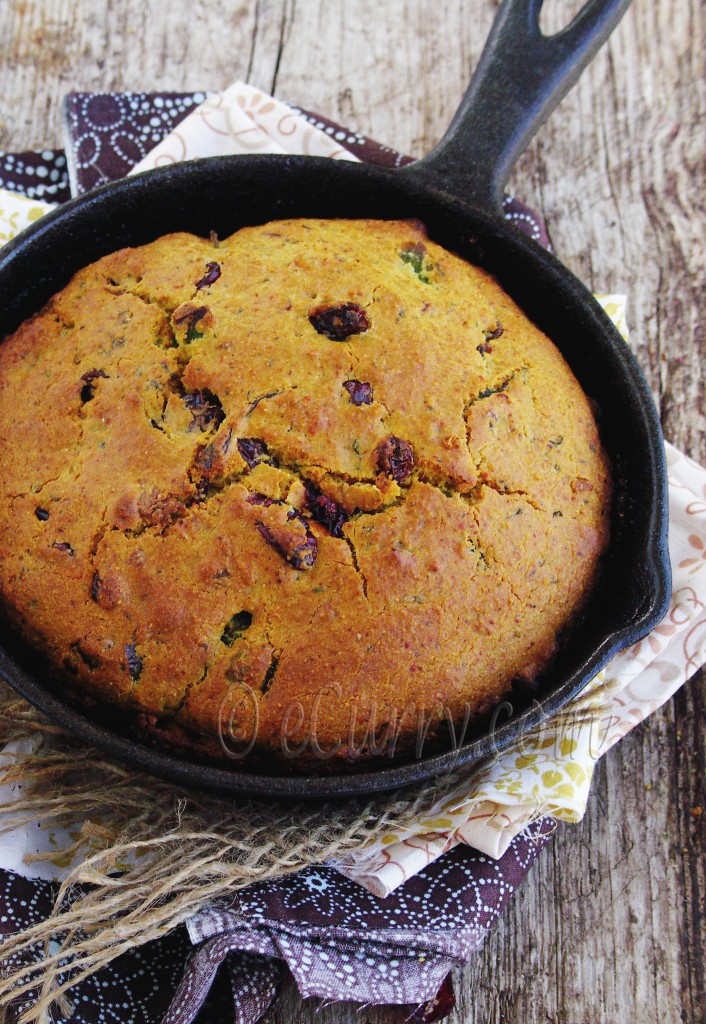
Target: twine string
(152,855)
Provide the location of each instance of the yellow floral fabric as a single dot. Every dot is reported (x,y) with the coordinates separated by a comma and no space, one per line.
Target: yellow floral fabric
(17,213)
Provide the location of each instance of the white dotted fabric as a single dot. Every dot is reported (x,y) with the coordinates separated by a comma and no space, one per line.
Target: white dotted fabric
(341,943)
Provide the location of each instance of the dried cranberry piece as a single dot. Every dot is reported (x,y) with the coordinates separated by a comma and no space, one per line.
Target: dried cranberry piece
(495,334)
(252,451)
(325,511)
(89,389)
(134,662)
(360,392)
(304,556)
(62,545)
(486,348)
(189,317)
(213,272)
(395,457)
(300,556)
(262,499)
(340,321)
(205,408)
(267,534)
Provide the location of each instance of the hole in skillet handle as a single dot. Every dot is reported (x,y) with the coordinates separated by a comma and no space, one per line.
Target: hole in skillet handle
(521,77)
(556,15)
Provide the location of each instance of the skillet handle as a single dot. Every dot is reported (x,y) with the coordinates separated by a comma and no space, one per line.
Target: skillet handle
(521,77)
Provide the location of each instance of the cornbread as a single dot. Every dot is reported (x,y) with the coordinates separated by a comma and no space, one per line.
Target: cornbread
(311,492)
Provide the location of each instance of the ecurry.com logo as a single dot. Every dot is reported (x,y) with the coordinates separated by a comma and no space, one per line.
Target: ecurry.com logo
(370,730)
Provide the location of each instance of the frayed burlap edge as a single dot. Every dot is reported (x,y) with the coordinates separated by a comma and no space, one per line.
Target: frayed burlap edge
(152,854)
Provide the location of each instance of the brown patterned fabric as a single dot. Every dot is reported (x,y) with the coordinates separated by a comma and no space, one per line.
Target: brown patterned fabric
(36,175)
(337,940)
(106,134)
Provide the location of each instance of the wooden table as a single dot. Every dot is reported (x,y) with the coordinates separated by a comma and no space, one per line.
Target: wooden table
(610,924)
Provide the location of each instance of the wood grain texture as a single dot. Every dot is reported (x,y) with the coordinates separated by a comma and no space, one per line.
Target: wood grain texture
(610,924)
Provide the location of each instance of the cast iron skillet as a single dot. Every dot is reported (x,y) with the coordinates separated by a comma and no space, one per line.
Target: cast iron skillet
(456,191)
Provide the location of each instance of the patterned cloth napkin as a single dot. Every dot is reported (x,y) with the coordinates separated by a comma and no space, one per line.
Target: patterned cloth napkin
(342,953)
(338,941)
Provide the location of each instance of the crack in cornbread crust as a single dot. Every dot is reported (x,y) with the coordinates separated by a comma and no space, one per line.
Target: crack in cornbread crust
(443,587)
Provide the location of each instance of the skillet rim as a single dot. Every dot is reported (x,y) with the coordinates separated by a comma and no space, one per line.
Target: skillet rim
(417,187)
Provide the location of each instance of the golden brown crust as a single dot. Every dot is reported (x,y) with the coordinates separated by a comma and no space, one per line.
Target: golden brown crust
(319,477)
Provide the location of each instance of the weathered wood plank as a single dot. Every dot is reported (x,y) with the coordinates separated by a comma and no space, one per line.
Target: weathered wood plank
(610,925)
